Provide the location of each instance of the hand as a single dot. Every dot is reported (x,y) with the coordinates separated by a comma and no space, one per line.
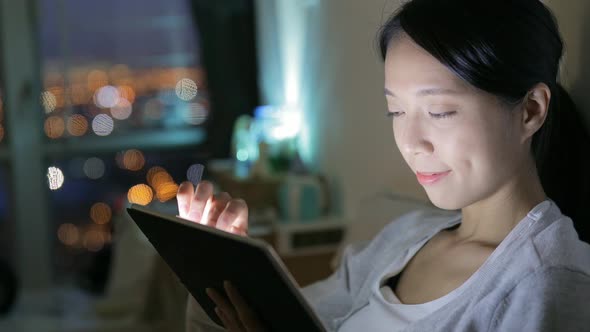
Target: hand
(220,210)
(236,316)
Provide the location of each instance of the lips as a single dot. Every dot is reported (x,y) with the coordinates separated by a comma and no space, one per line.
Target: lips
(430,178)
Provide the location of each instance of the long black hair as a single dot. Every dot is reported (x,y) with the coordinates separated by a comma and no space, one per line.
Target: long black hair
(506,47)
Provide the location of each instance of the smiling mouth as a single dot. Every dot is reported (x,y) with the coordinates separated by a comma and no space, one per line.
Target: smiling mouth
(432,173)
(430,178)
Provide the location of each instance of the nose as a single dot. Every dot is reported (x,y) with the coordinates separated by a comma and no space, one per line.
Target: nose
(411,136)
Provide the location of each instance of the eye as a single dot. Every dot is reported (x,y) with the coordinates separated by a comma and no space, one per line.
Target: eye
(393,114)
(434,115)
(442,115)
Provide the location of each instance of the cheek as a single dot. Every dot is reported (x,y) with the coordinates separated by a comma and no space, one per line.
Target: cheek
(485,151)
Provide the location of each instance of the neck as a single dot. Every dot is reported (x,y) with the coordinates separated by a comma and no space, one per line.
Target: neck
(489,221)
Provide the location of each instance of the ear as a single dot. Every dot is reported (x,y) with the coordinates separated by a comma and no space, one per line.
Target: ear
(534,110)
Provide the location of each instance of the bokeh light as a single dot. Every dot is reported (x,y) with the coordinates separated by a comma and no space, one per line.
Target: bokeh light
(97,79)
(122,110)
(106,97)
(186,89)
(119,73)
(102,125)
(55,177)
(194,173)
(100,213)
(93,240)
(77,125)
(152,173)
(195,114)
(140,194)
(158,176)
(127,92)
(79,94)
(48,101)
(94,168)
(54,127)
(167,191)
(68,234)
(59,94)
(133,160)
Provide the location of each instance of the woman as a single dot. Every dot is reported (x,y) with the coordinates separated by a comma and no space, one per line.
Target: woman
(472,90)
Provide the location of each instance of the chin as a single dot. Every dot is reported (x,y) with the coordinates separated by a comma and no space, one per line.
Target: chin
(445,203)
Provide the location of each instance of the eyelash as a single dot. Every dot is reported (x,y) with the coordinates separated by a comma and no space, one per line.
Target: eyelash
(434,115)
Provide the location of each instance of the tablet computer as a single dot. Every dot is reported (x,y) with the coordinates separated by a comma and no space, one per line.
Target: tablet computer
(203,257)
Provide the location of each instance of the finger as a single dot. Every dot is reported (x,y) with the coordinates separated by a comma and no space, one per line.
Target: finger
(226,322)
(199,200)
(245,314)
(216,206)
(231,318)
(234,217)
(183,198)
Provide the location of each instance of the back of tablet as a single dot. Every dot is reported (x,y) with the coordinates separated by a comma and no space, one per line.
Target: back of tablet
(204,257)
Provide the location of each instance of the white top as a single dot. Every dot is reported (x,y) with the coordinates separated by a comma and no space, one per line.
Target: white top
(385,312)
(537,279)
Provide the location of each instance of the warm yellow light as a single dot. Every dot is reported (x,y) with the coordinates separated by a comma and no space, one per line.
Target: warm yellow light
(151,174)
(127,92)
(59,94)
(119,72)
(79,94)
(140,194)
(133,160)
(167,191)
(68,234)
(159,179)
(97,79)
(54,127)
(100,213)
(77,125)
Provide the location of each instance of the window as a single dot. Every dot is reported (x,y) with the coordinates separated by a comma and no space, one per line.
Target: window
(124,108)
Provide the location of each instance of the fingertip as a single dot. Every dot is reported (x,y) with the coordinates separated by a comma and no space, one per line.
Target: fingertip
(185,190)
(184,185)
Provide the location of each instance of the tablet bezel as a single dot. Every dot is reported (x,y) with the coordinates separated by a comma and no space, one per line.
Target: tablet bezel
(267,249)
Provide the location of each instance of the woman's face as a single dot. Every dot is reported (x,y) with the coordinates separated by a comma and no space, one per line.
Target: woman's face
(442,124)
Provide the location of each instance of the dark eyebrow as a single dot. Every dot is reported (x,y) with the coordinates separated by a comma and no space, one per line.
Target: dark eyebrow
(428,92)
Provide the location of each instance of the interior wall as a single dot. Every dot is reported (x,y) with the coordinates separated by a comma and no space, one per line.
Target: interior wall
(355,145)
(573,17)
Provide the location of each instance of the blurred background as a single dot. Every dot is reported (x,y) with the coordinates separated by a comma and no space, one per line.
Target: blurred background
(104,104)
